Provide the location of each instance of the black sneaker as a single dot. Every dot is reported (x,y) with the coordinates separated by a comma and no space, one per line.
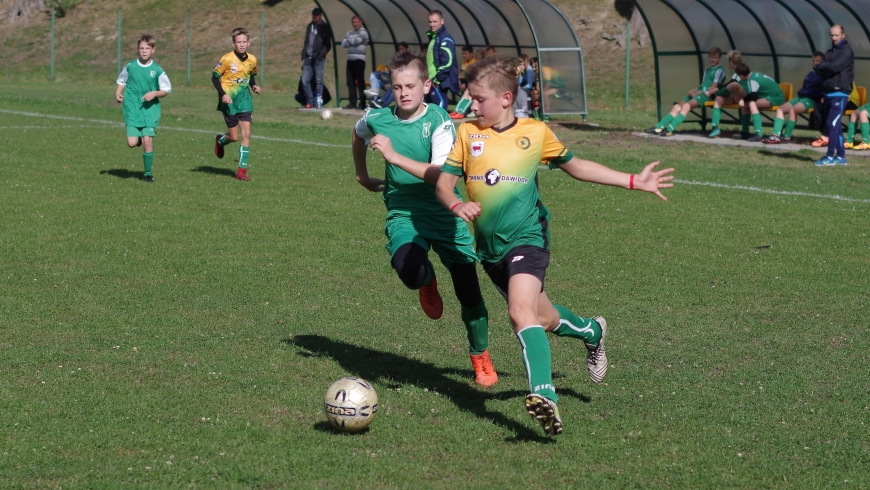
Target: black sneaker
(148,178)
(655,131)
(772,140)
(374,104)
(755,138)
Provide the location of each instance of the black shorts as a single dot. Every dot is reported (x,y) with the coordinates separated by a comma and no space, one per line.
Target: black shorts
(525,259)
(232,120)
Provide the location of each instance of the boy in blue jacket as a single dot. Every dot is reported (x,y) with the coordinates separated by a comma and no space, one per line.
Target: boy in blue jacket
(809,96)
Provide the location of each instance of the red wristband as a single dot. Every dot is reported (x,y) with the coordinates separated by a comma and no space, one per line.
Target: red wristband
(631,182)
(454,206)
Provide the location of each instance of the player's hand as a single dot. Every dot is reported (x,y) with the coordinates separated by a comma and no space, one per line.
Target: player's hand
(467,211)
(149,96)
(256,89)
(741,103)
(119,97)
(382,144)
(372,184)
(650,181)
(226,99)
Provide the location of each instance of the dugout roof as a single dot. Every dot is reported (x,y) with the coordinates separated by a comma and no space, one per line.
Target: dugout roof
(534,27)
(775,37)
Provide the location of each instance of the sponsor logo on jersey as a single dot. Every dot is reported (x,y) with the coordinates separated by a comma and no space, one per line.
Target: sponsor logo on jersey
(492,177)
(426,129)
(476,148)
(234,67)
(523,143)
(153,73)
(479,136)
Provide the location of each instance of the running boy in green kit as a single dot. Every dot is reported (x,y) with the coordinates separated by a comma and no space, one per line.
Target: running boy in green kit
(498,155)
(141,84)
(234,74)
(414,138)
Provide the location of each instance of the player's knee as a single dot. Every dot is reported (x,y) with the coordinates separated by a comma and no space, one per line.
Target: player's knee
(231,137)
(466,285)
(522,315)
(412,265)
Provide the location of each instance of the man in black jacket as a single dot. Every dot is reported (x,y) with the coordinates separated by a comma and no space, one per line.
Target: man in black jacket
(318,42)
(837,70)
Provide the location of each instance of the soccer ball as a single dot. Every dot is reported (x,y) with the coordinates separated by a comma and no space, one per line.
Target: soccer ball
(326,114)
(351,404)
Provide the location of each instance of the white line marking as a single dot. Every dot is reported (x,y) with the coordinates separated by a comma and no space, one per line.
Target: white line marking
(772,191)
(170,128)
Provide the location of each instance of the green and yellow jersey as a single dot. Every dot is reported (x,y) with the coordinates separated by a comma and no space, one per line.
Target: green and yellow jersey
(235,75)
(500,168)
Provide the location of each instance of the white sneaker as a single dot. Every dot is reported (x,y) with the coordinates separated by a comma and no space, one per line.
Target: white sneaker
(319,102)
(596,359)
(371,92)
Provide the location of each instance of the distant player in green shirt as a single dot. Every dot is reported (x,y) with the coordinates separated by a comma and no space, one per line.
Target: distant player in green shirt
(414,138)
(498,155)
(729,93)
(762,92)
(234,74)
(141,84)
(713,78)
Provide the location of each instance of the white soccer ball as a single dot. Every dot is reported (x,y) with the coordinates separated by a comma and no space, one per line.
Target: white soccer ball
(326,114)
(351,404)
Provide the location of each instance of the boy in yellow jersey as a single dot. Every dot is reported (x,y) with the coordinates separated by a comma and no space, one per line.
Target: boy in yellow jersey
(233,75)
(499,155)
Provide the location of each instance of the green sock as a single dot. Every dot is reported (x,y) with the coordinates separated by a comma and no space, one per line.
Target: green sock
(571,325)
(477,327)
(536,357)
(676,122)
(665,121)
(789,128)
(756,123)
(463,105)
(148,160)
(850,134)
(744,123)
(777,126)
(243,156)
(223,141)
(865,133)
(717,115)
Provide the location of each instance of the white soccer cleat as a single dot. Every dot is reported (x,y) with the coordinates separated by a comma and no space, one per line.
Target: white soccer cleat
(371,92)
(596,359)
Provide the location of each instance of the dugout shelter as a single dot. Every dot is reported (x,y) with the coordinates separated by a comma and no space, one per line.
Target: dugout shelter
(534,27)
(775,37)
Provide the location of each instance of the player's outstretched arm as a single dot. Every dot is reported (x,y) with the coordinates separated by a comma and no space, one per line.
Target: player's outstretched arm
(424,171)
(444,192)
(359,162)
(647,180)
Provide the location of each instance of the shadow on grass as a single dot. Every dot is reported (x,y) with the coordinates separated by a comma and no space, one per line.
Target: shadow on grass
(587,127)
(123,173)
(207,169)
(398,370)
(803,156)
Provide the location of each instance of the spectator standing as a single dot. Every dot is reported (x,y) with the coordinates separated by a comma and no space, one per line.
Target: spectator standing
(318,42)
(441,58)
(356,41)
(837,70)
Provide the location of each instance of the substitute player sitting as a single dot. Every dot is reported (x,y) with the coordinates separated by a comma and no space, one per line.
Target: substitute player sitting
(762,92)
(859,114)
(808,97)
(713,78)
(141,84)
(728,94)
(498,155)
(414,138)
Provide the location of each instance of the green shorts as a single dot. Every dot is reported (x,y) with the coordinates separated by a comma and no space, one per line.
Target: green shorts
(775,101)
(807,103)
(453,244)
(134,132)
(700,99)
(723,91)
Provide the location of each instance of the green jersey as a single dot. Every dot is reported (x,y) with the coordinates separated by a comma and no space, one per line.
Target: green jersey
(426,138)
(139,79)
(761,84)
(714,74)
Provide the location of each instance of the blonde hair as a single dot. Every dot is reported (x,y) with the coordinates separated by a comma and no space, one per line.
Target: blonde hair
(735,57)
(496,72)
(239,31)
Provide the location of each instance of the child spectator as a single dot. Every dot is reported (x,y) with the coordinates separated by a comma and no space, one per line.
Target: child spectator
(712,79)
(233,78)
(141,84)
(808,97)
(498,155)
(859,114)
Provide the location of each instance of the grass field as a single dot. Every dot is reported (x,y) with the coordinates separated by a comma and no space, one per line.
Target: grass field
(182,334)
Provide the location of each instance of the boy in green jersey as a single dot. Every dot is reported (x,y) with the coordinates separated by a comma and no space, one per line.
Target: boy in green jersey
(141,84)
(499,156)
(762,92)
(727,94)
(234,74)
(414,138)
(713,78)
(808,96)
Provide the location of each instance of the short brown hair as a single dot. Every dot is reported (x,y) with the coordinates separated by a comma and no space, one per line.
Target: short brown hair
(735,57)
(239,31)
(497,72)
(147,39)
(714,51)
(742,69)
(524,58)
(406,59)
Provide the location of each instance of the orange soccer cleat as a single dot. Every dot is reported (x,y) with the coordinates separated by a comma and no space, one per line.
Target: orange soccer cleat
(430,300)
(484,372)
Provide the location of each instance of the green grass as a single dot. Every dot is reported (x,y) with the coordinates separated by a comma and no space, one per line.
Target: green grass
(183,333)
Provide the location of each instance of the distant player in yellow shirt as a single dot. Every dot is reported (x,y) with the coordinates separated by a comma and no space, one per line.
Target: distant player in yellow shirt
(498,155)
